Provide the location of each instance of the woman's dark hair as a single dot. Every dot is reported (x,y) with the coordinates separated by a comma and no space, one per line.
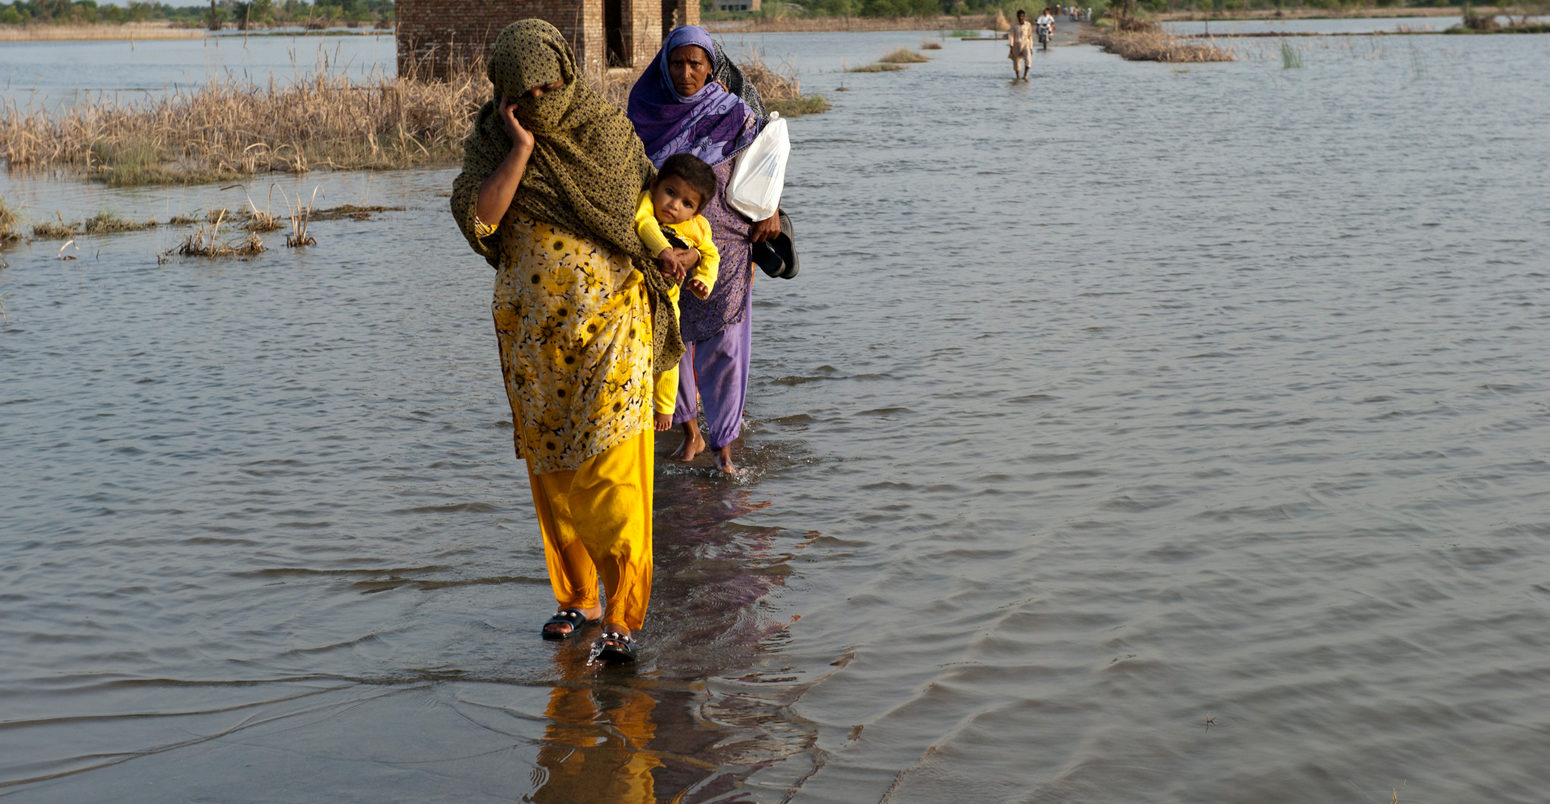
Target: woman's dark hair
(693,171)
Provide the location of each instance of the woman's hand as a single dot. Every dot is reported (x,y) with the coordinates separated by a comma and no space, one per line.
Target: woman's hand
(521,138)
(766,229)
(497,191)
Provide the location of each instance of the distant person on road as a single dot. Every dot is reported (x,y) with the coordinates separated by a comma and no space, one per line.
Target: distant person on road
(1046,25)
(1021,39)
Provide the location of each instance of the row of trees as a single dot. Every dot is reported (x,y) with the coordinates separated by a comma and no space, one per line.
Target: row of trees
(932,8)
(222,12)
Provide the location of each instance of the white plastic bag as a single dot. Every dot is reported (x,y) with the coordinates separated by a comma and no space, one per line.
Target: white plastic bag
(760,173)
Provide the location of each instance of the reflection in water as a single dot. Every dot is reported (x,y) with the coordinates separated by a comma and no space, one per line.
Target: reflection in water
(653,732)
(596,746)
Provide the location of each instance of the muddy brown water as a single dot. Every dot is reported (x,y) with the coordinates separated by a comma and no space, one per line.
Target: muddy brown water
(1139,433)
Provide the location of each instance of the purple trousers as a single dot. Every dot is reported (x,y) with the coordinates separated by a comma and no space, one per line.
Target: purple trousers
(717,370)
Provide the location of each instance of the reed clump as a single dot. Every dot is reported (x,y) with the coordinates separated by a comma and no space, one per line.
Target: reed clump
(9,220)
(1480,23)
(903,56)
(351,211)
(108,223)
(1486,22)
(260,220)
(226,129)
(205,242)
(779,87)
(1291,58)
(1133,39)
(930,45)
(300,215)
(55,230)
(876,67)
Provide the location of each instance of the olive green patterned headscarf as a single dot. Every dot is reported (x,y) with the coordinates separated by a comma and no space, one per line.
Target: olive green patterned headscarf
(586,171)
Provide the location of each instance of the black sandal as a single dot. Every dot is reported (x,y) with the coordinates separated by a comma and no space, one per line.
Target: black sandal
(613,646)
(571,617)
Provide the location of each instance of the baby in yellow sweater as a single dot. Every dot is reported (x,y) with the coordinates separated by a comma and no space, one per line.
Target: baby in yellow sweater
(668,216)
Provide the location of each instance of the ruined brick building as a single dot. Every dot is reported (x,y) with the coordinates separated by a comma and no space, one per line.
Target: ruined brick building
(604,33)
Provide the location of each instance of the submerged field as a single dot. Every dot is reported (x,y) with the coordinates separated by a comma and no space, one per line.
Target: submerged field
(1137,433)
(332,117)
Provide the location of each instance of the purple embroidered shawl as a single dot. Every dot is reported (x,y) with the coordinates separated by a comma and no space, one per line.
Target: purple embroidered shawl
(712,124)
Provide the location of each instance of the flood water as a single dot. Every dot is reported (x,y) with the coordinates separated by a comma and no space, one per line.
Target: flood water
(1142,433)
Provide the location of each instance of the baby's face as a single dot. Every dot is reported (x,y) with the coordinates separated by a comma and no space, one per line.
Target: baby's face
(674,200)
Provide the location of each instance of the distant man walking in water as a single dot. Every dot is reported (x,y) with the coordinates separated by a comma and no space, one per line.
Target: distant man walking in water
(1021,38)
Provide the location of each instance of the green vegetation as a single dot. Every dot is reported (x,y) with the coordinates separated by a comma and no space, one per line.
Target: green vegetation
(796,107)
(108,223)
(239,14)
(1487,23)
(1290,57)
(936,9)
(49,230)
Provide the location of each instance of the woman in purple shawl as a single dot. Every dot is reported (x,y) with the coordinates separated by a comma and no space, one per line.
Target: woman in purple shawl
(692,99)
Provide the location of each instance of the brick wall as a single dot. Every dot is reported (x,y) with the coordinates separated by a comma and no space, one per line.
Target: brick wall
(434,34)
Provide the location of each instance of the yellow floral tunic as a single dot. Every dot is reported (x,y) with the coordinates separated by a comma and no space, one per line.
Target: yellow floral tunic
(575,339)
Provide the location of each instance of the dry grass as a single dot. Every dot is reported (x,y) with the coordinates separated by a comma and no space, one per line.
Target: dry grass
(1311,12)
(205,242)
(778,87)
(875,67)
(351,211)
(181,220)
(300,215)
(261,220)
(930,45)
(903,56)
(55,230)
(108,223)
(226,130)
(943,22)
(1135,40)
(84,33)
(8,222)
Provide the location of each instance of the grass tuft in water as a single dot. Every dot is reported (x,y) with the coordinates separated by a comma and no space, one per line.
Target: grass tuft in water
(55,230)
(1290,57)
(1138,40)
(875,67)
(903,56)
(8,222)
(108,223)
(301,216)
(205,242)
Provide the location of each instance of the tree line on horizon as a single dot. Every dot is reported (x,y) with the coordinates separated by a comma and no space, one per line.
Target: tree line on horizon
(233,13)
(776,9)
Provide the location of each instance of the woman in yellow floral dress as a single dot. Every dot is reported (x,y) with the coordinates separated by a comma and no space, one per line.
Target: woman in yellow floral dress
(550,177)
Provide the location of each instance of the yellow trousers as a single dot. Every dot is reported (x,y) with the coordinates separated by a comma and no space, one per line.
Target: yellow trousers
(596,521)
(664,390)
